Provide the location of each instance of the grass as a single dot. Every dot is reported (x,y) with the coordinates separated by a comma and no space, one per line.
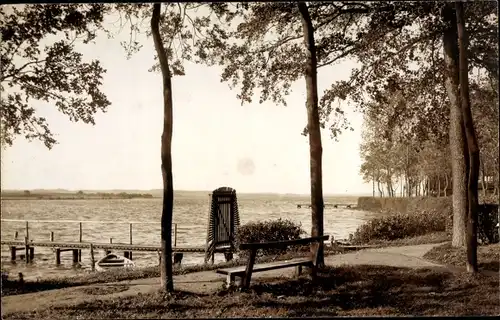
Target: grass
(13,287)
(488,256)
(339,291)
(433,237)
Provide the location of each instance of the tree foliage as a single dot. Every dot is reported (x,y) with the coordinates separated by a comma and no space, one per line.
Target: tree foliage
(35,67)
(406,59)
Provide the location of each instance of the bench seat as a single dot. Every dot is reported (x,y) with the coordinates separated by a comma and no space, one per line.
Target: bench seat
(245,272)
(234,272)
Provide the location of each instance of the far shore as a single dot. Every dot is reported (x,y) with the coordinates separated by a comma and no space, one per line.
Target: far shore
(74,196)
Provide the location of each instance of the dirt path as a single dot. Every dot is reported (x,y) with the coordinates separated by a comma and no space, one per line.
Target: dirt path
(206,282)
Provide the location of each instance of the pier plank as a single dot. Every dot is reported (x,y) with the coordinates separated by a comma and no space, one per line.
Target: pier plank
(113,246)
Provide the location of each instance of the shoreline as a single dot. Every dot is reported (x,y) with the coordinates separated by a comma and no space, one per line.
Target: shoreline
(350,276)
(89,278)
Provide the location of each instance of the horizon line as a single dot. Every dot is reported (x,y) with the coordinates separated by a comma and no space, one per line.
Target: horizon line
(180,190)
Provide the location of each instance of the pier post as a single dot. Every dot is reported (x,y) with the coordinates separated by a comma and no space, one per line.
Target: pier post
(13,252)
(109,251)
(92,259)
(175,234)
(80,239)
(130,238)
(32,253)
(178,258)
(52,236)
(16,234)
(58,256)
(130,233)
(27,230)
(27,249)
(75,255)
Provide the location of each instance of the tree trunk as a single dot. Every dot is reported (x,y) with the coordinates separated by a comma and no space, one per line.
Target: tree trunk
(373,187)
(167,282)
(313,125)
(446,183)
(426,190)
(380,191)
(472,144)
(388,186)
(439,186)
(458,147)
(483,177)
(402,185)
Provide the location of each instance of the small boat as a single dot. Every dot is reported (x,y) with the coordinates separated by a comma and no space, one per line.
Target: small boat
(113,261)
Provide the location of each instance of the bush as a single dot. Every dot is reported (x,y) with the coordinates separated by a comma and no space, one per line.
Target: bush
(383,203)
(272,230)
(400,225)
(487,232)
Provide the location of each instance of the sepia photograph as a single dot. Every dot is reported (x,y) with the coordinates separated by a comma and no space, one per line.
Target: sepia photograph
(276,159)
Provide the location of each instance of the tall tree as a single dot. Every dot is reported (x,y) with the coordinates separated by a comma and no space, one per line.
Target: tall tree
(313,126)
(471,139)
(401,44)
(458,146)
(264,50)
(167,282)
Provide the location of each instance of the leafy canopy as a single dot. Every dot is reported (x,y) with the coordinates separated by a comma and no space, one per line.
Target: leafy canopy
(55,72)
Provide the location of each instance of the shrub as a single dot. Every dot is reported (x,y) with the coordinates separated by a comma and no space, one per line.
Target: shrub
(487,221)
(272,230)
(487,232)
(383,203)
(400,225)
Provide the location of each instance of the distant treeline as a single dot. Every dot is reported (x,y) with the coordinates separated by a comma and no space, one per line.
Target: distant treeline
(27,194)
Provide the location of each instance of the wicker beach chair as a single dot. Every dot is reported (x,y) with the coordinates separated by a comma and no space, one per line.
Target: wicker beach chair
(223,222)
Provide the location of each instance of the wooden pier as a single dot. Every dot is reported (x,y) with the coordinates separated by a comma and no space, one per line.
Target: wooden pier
(28,245)
(76,248)
(332,205)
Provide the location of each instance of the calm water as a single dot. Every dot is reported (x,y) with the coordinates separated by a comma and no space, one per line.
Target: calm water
(190,213)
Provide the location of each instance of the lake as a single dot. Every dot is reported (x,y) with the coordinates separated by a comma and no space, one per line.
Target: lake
(190,213)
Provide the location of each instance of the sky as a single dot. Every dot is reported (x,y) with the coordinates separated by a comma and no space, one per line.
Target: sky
(216,141)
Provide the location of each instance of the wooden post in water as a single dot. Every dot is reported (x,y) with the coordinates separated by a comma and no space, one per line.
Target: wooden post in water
(13,252)
(130,232)
(27,230)
(109,251)
(129,253)
(27,248)
(80,239)
(75,255)
(58,256)
(32,253)
(92,259)
(16,234)
(175,234)
(80,235)
(52,236)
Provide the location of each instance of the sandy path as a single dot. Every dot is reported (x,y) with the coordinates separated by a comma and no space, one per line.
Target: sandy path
(207,281)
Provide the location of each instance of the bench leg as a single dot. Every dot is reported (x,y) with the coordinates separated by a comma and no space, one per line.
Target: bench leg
(230,280)
(298,271)
(314,272)
(248,272)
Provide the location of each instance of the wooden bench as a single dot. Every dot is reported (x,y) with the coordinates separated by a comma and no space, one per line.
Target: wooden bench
(245,273)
